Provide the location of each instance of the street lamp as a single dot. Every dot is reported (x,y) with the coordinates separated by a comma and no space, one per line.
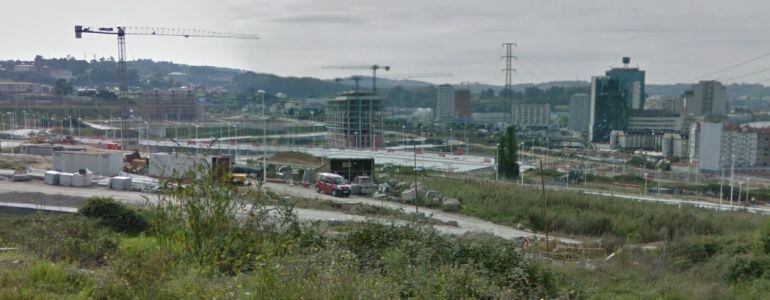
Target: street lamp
(147,137)
(403,132)
(721,179)
(748,180)
(264,133)
(732,178)
(497,162)
(451,137)
(196,138)
(235,140)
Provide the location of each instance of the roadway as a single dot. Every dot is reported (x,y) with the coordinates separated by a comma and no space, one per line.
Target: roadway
(465,224)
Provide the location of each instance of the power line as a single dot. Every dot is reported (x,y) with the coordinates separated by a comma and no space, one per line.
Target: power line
(530,71)
(747,74)
(732,66)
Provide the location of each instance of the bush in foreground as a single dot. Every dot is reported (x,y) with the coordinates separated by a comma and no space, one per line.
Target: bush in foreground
(114,215)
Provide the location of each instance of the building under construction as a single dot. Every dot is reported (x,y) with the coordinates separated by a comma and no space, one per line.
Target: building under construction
(174,104)
(354,120)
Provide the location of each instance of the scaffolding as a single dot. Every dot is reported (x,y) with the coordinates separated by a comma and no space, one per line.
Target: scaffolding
(174,104)
(354,120)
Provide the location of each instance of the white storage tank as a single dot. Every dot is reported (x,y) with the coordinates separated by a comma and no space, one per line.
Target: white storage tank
(81,180)
(51,178)
(65,179)
(120,183)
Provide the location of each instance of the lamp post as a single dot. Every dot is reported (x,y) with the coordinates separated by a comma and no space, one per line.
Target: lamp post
(748,180)
(147,137)
(373,141)
(497,162)
(80,122)
(264,137)
(451,137)
(235,139)
(732,178)
(196,138)
(403,132)
(721,179)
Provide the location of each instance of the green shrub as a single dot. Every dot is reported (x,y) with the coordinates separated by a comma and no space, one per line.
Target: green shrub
(114,215)
(746,268)
(393,248)
(694,250)
(217,225)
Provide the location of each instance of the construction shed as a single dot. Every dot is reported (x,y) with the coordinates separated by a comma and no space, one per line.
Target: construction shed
(102,163)
(178,165)
(352,167)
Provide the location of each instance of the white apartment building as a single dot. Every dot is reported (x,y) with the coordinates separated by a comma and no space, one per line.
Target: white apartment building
(721,146)
(531,115)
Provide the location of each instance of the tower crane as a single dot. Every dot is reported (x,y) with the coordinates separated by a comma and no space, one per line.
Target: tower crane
(374,69)
(122,31)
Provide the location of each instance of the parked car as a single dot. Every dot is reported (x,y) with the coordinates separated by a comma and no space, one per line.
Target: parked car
(332,184)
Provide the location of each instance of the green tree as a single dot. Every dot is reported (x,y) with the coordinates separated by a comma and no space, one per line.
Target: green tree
(63,87)
(507,152)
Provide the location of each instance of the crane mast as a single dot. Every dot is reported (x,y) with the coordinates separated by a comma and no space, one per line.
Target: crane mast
(374,69)
(122,31)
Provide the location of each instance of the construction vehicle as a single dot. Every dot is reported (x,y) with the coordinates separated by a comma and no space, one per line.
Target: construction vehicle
(239,178)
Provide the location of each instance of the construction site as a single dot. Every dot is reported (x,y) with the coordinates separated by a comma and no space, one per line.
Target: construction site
(360,183)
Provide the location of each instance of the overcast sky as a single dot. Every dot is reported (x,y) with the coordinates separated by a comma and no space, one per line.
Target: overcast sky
(674,41)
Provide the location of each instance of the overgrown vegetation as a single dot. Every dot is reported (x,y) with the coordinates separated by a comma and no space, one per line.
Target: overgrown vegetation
(219,241)
(573,213)
(214,240)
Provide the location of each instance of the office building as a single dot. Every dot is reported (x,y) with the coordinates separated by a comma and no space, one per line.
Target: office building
(707,98)
(354,120)
(613,97)
(579,112)
(463,103)
(531,115)
(665,103)
(655,121)
(173,104)
(763,147)
(445,103)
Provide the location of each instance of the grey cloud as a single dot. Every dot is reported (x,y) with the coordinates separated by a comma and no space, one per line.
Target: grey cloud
(321,19)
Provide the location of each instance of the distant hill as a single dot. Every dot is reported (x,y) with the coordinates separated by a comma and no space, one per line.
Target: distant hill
(147,73)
